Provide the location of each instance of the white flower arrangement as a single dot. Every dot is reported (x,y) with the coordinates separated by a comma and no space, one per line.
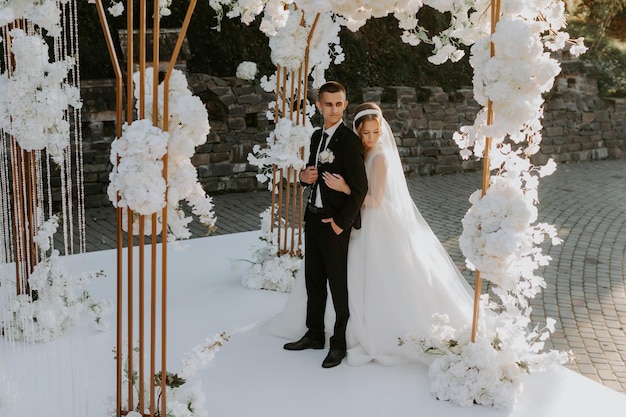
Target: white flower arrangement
(247,70)
(137,157)
(284,150)
(58,301)
(326,157)
(138,176)
(43,13)
(488,371)
(267,270)
(116,9)
(36,96)
(497,236)
(184,399)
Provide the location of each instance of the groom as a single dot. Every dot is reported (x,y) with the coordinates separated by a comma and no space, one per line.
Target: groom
(329,217)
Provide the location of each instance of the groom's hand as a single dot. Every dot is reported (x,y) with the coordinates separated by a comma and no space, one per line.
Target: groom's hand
(309,175)
(338,230)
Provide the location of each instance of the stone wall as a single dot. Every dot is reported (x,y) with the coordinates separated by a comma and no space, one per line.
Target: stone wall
(579,125)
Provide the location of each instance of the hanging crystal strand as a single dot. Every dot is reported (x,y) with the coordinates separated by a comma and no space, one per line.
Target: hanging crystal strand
(60,52)
(5,190)
(39,208)
(18,226)
(49,194)
(78,131)
(68,154)
(6,209)
(6,251)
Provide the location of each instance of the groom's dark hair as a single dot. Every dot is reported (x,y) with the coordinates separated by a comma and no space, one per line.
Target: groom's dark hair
(331,87)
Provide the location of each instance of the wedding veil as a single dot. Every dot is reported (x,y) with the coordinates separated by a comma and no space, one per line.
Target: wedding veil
(451,285)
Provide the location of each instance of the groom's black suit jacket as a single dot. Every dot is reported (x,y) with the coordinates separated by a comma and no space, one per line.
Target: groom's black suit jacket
(349,156)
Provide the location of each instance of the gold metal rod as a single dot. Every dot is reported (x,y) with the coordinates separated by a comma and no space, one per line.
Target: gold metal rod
(18,217)
(287,204)
(156,36)
(301,97)
(284,97)
(273,198)
(495,15)
(118,129)
(292,95)
(164,297)
(141,315)
(277,95)
(130,57)
(142,58)
(276,112)
(129,319)
(293,212)
(31,204)
(181,38)
(279,214)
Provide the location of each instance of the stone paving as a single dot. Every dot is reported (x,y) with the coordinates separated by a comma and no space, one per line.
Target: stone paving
(585,280)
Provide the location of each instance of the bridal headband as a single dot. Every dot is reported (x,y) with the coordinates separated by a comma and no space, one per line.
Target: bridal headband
(365,113)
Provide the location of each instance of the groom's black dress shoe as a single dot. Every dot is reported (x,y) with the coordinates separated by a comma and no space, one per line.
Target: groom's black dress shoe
(334,358)
(304,343)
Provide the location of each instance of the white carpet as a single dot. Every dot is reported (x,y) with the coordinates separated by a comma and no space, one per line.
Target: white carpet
(251,375)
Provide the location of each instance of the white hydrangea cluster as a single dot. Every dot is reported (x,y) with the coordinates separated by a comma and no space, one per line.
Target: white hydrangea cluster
(43,13)
(36,96)
(246,70)
(288,43)
(495,235)
(488,371)
(139,173)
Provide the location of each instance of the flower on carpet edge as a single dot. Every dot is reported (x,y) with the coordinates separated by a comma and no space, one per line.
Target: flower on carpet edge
(268,270)
(57,299)
(182,400)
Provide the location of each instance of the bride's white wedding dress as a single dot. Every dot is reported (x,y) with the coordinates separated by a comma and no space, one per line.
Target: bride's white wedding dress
(399,274)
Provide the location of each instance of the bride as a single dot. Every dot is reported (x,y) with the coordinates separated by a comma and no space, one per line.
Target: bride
(399,274)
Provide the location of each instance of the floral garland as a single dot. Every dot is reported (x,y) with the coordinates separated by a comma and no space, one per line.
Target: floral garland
(283,150)
(36,96)
(500,236)
(267,270)
(61,299)
(43,13)
(183,399)
(137,158)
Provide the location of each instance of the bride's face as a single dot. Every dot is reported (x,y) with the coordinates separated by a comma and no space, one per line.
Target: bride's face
(370,132)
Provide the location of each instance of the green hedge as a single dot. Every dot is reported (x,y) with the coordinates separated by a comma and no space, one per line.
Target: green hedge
(375,55)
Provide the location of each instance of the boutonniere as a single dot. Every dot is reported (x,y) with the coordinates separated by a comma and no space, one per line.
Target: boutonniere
(326,156)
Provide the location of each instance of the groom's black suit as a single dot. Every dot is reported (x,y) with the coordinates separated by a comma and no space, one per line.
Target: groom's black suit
(326,252)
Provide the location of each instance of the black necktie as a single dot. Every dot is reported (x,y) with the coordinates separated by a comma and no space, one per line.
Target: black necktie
(320,149)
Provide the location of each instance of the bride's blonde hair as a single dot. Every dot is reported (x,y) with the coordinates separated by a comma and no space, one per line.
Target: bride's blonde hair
(371,111)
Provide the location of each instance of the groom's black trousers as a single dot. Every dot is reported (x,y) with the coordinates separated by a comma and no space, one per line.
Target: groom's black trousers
(326,260)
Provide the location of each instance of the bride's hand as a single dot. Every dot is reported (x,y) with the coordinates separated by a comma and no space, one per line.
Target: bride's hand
(336,182)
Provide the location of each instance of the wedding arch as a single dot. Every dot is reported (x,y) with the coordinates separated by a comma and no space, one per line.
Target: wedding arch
(510,44)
